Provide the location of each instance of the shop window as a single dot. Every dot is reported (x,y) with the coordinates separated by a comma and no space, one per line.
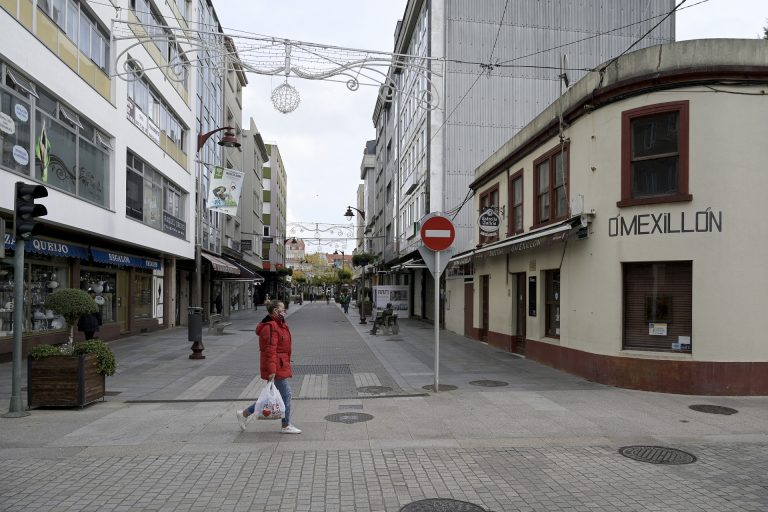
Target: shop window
(553,303)
(516,204)
(489,199)
(551,182)
(40,280)
(654,154)
(104,285)
(15,147)
(657,306)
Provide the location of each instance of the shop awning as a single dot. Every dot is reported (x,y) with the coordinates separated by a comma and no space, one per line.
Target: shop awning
(124,260)
(245,274)
(221,265)
(541,238)
(49,247)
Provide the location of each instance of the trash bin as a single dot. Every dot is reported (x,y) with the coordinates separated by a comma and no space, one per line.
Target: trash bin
(195,323)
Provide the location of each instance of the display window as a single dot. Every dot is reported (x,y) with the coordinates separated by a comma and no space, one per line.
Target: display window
(40,280)
(104,284)
(142,295)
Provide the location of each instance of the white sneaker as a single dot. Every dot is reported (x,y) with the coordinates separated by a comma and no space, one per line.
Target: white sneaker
(290,429)
(241,419)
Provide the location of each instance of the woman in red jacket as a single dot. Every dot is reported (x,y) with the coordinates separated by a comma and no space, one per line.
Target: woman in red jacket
(275,362)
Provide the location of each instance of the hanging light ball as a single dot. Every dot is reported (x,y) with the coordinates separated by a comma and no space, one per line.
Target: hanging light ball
(285,98)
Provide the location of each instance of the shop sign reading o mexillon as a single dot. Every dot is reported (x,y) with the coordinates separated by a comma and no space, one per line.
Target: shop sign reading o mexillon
(489,221)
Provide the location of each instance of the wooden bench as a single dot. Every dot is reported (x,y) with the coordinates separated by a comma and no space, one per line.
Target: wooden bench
(216,324)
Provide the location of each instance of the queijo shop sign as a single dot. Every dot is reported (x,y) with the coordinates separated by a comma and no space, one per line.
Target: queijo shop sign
(665,223)
(489,221)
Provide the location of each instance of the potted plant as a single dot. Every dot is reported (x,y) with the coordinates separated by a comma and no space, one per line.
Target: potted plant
(73,374)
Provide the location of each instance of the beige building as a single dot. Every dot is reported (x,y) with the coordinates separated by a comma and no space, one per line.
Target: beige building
(626,250)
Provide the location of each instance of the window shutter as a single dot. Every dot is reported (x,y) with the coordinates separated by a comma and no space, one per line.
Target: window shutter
(643,283)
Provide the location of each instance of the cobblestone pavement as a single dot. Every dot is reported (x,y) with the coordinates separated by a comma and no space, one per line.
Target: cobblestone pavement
(166,438)
(726,478)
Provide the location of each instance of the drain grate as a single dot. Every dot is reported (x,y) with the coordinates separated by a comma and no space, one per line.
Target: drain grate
(375,390)
(349,417)
(321,369)
(657,455)
(712,409)
(440,387)
(489,383)
(441,505)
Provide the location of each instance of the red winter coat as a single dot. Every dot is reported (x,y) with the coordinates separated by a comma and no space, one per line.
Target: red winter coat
(275,348)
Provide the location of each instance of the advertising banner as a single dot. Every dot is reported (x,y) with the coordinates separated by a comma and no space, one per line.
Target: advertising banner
(224,195)
(397,295)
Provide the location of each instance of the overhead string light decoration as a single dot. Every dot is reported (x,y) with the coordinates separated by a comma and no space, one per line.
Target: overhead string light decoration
(270,56)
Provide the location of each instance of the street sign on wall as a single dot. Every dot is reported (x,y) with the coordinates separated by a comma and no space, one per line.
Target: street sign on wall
(437,233)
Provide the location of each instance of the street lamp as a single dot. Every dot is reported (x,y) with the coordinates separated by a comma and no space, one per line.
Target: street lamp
(349,213)
(229,140)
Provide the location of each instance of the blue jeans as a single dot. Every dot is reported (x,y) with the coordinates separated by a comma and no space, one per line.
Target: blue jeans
(284,387)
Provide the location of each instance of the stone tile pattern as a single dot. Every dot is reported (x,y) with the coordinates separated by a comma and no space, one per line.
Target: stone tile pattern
(728,477)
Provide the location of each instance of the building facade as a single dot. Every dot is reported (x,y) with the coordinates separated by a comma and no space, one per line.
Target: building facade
(623,254)
(493,80)
(119,174)
(275,222)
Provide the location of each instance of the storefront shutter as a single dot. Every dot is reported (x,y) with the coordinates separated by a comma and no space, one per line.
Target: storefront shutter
(667,283)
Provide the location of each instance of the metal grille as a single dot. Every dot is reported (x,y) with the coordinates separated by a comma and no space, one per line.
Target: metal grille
(321,369)
(657,455)
(441,505)
(712,409)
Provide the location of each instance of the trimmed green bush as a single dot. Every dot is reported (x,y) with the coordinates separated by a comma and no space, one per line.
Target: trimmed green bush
(71,303)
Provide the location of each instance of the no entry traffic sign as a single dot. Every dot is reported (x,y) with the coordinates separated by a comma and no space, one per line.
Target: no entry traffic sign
(438,233)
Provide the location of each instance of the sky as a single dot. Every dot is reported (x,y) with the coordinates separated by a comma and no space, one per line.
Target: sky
(322,141)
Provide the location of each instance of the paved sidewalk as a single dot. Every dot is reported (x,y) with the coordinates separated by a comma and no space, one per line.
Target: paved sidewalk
(166,438)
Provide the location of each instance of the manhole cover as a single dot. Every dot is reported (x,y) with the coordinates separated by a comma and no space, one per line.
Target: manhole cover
(657,455)
(349,417)
(712,409)
(321,369)
(440,387)
(374,389)
(489,383)
(441,505)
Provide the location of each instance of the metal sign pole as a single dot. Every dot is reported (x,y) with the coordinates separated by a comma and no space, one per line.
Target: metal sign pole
(436,275)
(16,408)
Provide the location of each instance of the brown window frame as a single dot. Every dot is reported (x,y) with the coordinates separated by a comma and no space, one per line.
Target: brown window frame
(511,198)
(552,302)
(549,157)
(484,239)
(683,152)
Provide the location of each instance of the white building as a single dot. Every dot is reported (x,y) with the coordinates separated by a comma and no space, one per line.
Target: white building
(120,177)
(647,272)
(497,69)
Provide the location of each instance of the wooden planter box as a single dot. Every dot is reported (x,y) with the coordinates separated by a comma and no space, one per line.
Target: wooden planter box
(64,381)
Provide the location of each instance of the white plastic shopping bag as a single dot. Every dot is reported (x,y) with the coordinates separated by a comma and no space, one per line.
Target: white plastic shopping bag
(270,404)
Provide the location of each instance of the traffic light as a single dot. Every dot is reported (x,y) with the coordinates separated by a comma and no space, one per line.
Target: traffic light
(25,211)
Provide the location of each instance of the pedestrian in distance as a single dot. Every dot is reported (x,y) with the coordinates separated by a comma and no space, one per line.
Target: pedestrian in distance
(218,304)
(89,323)
(274,363)
(345,299)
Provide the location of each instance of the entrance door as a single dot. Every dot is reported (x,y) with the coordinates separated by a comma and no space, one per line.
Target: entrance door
(520,316)
(469,307)
(485,307)
(123,300)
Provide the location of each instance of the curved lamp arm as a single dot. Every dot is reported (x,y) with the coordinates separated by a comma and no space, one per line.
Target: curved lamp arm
(349,213)
(229,139)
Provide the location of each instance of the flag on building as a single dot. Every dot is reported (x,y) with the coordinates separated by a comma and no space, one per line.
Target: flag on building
(43,152)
